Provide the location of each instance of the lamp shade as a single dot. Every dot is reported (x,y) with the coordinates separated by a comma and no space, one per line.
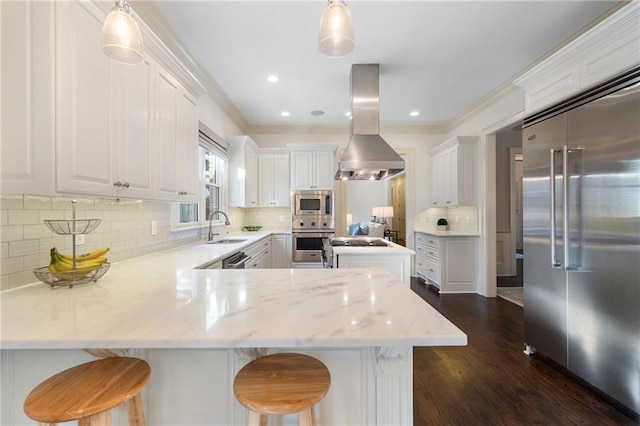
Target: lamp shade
(376,211)
(121,39)
(387,211)
(336,37)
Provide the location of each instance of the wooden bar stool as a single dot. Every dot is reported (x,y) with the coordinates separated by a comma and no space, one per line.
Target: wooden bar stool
(88,392)
(281,384)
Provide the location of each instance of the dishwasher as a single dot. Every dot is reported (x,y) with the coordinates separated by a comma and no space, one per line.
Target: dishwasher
(235,261)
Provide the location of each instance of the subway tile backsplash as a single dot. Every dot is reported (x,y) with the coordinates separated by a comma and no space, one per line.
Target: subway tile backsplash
(125,227)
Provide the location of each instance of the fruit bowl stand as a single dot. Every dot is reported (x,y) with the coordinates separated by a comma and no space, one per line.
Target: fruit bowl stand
(72,277)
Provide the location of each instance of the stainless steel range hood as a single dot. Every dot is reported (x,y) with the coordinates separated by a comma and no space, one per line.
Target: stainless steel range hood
(367,156)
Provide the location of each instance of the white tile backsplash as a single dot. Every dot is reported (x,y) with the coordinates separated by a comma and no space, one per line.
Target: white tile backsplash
(125,228)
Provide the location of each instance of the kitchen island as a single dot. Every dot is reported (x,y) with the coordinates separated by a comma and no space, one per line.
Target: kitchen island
(197,328)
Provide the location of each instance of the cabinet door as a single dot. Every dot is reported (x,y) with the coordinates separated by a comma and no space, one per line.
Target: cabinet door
(281,187)
(301,170)
(166,135)
(134,130)
(85,122)
(281,251)
(323,175)
(251,184)
(266,182)
(27,98)
(437,180)
(450,171)
(188,145)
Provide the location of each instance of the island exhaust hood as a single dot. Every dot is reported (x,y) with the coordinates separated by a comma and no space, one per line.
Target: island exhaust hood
(367,156)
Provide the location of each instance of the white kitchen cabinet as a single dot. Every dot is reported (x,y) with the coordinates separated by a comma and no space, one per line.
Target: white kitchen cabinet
(453,167)
(398,264)
(449,263)
(312,166)
(607,49)
(281,251)
(259,254)
(176,140)
(27,101)
(274,189)
(243,171)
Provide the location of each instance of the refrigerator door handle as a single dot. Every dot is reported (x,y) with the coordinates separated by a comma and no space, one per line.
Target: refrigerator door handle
(552,208)
(565,206)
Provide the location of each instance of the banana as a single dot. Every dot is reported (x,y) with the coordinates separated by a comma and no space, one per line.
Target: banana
(87,256)
(63,268)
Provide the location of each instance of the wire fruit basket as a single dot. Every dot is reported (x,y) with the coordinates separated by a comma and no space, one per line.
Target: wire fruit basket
(76,275)
(70,278)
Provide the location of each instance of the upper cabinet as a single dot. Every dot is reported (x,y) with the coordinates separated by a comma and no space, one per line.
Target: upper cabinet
(176,141)
(27,78)
(273,181)
(116,130)
(243,171)
(312,165)
(609,48)
(453,167)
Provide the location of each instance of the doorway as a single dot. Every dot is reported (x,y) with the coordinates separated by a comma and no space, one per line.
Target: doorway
(508,185)
(398,224)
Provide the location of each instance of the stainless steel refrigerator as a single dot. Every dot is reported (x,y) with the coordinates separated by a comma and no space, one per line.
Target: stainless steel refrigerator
(582,236)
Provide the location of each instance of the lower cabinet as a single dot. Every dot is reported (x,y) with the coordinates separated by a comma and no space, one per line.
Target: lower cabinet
(281,251)
(449,263)
(399,265)
(259,254)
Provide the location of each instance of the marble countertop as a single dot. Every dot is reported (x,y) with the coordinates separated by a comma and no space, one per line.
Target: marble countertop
(160,301)
(438,233)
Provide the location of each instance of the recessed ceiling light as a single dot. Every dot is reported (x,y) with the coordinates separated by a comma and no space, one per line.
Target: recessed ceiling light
(348,113)
(285,113)
(414,113)
(273,78)
(317,113)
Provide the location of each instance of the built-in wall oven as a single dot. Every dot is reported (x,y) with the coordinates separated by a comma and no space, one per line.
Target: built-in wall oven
(312,220)
(307,246)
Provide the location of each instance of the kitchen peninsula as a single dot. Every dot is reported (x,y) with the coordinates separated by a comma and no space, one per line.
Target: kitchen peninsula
(197,328)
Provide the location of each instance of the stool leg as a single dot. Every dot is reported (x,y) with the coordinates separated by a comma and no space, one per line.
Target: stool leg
(256,419)
(307,417)
(100,419)
(136,411)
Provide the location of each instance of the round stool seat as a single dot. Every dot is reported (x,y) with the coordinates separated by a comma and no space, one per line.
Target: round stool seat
(283,383)
(87,389)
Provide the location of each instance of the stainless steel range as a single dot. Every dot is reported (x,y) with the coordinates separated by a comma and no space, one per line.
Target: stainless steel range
(312,220)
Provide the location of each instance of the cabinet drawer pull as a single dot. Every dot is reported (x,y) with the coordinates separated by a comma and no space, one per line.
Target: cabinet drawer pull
(431,270)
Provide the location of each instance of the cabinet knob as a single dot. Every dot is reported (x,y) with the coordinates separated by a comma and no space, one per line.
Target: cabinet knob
(126,184)
(118,184)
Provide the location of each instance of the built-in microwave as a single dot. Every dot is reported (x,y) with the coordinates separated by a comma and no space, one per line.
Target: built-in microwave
(310,202)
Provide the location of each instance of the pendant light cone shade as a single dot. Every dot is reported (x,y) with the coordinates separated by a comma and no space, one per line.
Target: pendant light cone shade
(121,38)
(336,37)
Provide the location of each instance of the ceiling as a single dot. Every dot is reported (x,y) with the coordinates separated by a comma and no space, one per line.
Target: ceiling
(436,57)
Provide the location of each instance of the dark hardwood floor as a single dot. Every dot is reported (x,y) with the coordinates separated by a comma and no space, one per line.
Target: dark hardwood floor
(491,381)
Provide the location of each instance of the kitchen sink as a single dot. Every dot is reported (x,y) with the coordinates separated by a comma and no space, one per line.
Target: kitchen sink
(228,241)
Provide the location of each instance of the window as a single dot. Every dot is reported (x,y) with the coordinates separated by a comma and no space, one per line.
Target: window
(213,165)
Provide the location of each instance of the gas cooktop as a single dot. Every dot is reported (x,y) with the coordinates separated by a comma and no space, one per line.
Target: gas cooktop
(357,242)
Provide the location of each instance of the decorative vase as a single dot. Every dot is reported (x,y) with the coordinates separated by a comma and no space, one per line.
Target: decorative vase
(442,227)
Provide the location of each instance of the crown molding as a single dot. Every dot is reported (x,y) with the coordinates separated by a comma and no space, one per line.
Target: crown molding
(152,18)
(605,31)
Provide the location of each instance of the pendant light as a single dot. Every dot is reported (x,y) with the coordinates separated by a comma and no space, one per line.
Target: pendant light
(121,39)
(336,37)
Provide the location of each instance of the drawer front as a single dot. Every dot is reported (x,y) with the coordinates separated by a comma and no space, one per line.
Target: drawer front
(421,265)
(432,270)
(433,253)
(421,238)
(432,241)
(421,248)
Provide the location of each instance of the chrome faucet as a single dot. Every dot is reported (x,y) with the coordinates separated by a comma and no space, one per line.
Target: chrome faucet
(226,222)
